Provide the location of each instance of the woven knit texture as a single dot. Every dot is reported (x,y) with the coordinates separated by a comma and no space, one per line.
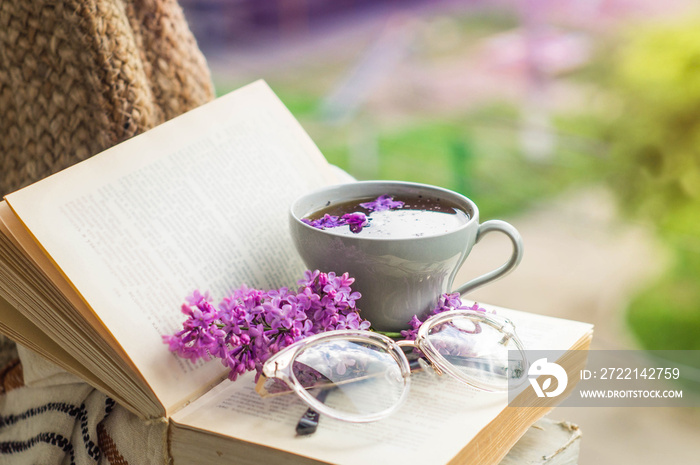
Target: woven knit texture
(79,76)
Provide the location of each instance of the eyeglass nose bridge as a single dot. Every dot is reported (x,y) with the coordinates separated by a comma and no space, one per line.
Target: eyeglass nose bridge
(406,343)
(413,344)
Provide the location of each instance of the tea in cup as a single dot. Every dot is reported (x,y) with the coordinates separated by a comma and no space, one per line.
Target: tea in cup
(402,242)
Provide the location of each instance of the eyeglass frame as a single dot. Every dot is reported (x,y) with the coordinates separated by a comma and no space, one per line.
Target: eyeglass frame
(279,365)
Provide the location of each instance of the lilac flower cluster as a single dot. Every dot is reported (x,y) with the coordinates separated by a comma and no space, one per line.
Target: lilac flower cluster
(446,302)
(356,221)
(250,325)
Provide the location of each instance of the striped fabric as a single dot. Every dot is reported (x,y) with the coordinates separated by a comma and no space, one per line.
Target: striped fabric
(54,418)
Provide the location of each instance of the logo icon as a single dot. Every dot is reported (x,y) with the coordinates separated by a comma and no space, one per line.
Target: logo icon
(542,367)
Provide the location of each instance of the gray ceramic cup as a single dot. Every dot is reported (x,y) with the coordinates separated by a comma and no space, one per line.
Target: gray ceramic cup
(397,277)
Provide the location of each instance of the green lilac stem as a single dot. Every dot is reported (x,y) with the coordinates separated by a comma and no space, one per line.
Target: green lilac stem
(390,334)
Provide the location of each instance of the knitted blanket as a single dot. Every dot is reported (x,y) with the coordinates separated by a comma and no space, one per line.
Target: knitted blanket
(77,77)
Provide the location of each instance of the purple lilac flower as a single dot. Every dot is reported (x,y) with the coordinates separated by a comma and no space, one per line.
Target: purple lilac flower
(327,221)
(445,303)
(381,203)
(250,325)
(356,221)
(309,278)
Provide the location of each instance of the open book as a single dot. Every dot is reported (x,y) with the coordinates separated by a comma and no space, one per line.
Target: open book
(96,260)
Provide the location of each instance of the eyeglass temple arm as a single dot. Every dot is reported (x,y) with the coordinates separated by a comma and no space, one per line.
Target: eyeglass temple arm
(308,423)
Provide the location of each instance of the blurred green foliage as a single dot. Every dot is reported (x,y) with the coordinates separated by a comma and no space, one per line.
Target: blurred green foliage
(666,315)
(477,154)
(655,155)
(655,141)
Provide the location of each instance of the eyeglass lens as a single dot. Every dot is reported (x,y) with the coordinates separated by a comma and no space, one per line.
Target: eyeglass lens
(475,351)
(365,378)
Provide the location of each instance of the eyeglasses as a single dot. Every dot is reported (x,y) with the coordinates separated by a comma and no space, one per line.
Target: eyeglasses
(365,376)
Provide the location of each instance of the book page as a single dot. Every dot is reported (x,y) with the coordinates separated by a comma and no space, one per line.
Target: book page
(14,231)
(40,295)
(411,435)
(22,330)
(200,202)
(438,420)
(541,332)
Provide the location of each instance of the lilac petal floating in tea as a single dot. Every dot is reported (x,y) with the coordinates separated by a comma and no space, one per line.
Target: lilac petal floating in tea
(381,203)
(328,221)
(356,221)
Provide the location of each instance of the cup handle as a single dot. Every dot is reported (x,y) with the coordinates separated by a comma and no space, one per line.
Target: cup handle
(516,256)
